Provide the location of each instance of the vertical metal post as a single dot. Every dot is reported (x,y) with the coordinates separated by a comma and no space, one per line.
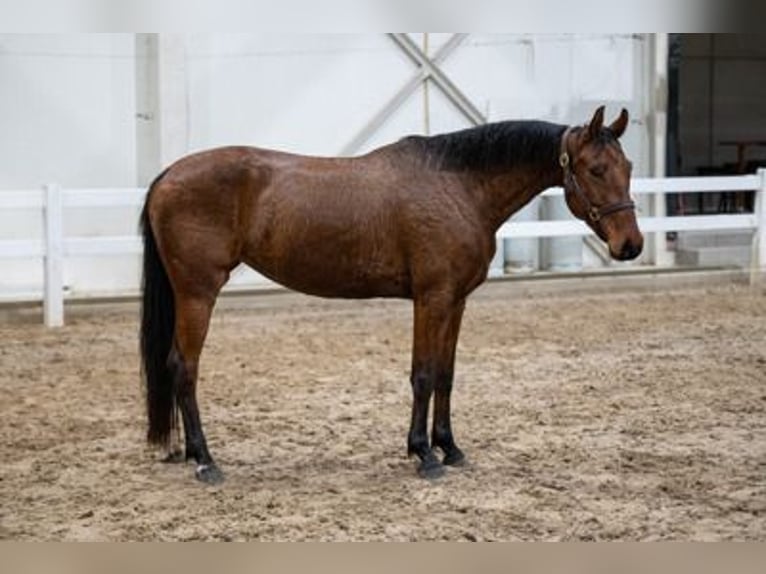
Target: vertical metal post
(148,161)
(658,132)
(758,260)
(53,292)
(173,97)
(426,101)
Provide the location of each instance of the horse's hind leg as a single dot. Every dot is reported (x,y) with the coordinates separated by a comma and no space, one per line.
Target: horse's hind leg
(175,452)
(192,321)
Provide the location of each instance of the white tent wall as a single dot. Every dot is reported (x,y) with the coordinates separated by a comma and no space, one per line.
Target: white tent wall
(67,107)
(304,93)
(98,110)
(312,93)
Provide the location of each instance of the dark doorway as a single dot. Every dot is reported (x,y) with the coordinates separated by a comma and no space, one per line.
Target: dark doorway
(716,115)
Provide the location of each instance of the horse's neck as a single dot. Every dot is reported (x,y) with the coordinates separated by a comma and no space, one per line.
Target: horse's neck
(504,194)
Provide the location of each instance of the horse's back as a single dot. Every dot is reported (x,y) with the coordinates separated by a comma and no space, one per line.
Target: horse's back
(326,226)
(371,226)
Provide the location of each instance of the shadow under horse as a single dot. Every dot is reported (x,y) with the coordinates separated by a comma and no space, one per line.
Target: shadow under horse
(415,219)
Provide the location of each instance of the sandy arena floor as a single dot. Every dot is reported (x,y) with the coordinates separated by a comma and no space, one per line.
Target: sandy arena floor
(637,414)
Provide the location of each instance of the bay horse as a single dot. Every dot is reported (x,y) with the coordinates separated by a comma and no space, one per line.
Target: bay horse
(415,219)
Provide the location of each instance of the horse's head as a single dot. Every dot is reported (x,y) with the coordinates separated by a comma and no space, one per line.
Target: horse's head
(597,182)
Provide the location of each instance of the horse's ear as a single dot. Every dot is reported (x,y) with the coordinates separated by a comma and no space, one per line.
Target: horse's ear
(594,128)
(620,124)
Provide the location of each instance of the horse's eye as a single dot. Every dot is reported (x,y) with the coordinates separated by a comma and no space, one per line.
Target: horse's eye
(598,170)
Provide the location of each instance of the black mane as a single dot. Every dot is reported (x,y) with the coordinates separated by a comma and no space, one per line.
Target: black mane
(491,147)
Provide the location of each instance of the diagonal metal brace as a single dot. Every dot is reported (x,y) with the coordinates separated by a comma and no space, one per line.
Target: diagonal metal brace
(458,98)
(401,96)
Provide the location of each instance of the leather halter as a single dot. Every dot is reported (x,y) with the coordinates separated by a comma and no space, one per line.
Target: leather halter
(595,212)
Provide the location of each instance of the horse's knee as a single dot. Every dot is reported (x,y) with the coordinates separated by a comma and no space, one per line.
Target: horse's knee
(444,381)
(422,383)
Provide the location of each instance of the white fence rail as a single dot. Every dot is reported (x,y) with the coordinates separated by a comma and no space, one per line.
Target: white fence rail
(54,248)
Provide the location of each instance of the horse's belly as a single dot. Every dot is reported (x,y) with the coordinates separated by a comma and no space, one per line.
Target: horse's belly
(319,240)
(335,273)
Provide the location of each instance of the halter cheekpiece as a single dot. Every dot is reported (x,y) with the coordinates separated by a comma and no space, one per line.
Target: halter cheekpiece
(595,213)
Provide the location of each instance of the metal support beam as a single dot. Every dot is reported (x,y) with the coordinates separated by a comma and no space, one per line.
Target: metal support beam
(173,105)
(458,98)
(658,119)
(398,99)
(428,69)
(148,163)
(162,118)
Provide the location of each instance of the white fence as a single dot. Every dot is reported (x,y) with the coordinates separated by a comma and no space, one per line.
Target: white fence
(54,248)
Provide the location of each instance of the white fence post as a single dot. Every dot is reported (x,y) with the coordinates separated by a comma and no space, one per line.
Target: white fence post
(758,259)
(53,293)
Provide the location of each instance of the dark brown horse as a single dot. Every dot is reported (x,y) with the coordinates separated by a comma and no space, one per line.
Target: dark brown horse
(415,220)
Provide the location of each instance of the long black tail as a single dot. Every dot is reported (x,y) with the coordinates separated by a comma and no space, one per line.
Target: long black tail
(157,326)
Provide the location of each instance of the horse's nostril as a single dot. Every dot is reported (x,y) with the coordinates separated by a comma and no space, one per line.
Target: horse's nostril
(630,251)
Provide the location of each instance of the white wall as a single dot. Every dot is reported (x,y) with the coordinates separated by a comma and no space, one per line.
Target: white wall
(68,102)
(305,93)
(69,107)
(312,93)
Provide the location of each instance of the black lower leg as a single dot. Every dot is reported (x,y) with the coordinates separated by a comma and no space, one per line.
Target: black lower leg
(196,445)
(442,428)
(194,437)
(417,440)
(175,452)
(441,434)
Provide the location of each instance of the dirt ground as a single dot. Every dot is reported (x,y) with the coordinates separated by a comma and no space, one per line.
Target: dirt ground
(594,413)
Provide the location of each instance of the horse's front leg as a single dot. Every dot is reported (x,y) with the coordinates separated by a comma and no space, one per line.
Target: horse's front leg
(441,433)
(437,321)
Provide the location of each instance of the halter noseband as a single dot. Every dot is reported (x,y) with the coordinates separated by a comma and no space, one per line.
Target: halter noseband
(595,213)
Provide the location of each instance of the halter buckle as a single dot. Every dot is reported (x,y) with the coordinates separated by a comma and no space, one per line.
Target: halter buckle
(564,160)
(594,214)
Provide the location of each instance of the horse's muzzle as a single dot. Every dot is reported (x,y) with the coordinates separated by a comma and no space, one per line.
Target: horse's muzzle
(629,250)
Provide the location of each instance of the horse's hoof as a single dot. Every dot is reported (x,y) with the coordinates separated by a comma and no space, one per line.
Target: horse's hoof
(209,474)
(454,458)
(175,456)
(431,468)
